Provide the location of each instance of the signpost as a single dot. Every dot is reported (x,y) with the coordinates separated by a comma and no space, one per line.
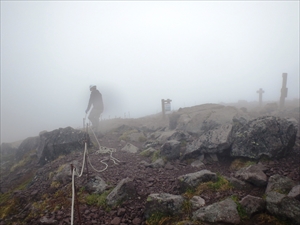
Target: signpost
(166,106)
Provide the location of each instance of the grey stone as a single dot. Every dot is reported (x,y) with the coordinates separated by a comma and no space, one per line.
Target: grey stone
(123,191)
(96,185)
(164,203)
(219,212)
(280,184)
(197,202)
(192,180)
(253,204)
(282,206)
(130,148)
(170,150)
(253,174)
(295,192)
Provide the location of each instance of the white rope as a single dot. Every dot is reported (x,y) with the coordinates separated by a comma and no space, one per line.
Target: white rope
(102,150)
(83,162)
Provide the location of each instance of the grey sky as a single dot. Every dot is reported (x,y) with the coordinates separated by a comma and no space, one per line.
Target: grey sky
(138,53)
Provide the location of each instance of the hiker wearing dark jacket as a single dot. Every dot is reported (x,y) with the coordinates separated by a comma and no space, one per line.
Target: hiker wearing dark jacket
(97,102)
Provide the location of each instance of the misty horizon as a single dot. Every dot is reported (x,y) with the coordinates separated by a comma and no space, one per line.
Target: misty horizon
(138,53)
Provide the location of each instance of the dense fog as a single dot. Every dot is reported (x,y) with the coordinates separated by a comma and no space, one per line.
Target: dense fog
(138,53)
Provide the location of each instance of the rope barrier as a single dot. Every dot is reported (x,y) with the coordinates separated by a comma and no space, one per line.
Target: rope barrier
(101,150)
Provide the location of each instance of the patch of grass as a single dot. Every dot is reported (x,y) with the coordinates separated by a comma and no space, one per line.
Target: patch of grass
(158,218)
(146,153)
(220,185)
(241,163)
(9,208)
(55,184)
(97,199)
(125,137)
(155,156)
(190,192)
(187,207)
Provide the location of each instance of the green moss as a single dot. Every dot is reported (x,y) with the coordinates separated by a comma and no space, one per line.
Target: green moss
(97,199)
(241,210)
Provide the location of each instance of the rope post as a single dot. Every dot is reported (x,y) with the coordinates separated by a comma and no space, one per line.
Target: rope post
(87,144)
(87,170)
(76,200)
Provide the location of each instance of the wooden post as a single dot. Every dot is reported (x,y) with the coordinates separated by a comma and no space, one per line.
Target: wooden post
(163,108)
(260,92)
(284,90)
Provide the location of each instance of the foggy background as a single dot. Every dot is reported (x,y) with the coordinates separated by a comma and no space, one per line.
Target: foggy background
(138,53)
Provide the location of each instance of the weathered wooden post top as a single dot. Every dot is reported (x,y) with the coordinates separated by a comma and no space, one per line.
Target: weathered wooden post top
(165,106)
(284,90)
(260,92)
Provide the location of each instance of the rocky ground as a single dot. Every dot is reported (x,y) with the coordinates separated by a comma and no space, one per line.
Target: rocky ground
(42,201)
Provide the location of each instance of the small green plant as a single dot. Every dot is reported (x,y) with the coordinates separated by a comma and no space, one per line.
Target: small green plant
(146,153)
(187,207)
(221,184)
(241,210)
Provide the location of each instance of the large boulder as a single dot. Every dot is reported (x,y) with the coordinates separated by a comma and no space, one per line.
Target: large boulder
(280,184)
(28,145)
(213,124)
(283,206)
(59,142)
(170,150)
(270,136)
(212,141)
(202,118)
